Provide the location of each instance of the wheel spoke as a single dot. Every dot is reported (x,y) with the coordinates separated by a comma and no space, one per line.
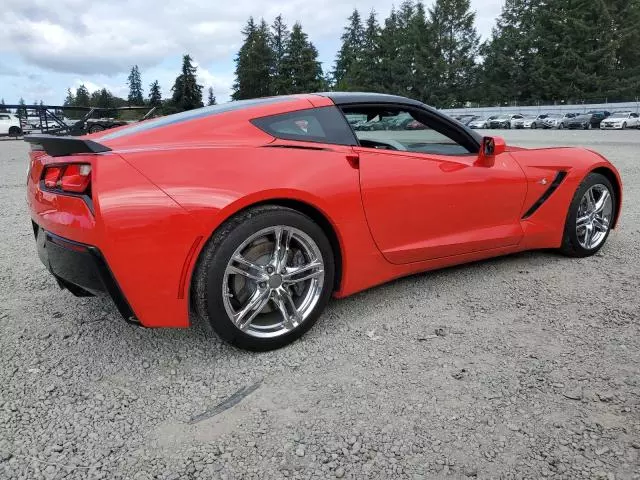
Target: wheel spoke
(305,272)
(280,248)
(284,302)
(602,201)
(601,224)
(591,201)
(582,221)
(256,303)
(588,236)
(246,268)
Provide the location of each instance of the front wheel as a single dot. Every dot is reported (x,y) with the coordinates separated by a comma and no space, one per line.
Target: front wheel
(624,126)
(534,126)
(561,126)
(590,217)
(264,278)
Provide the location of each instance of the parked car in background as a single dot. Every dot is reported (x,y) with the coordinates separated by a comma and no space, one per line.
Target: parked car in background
(481,122)
(598,116)
(527,121)
(10,125)
(465,119)
(504,121)
(582,122)
(621,121)
(537,123)
(557,120)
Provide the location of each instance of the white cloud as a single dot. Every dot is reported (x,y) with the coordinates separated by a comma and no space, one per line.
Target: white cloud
(98,42)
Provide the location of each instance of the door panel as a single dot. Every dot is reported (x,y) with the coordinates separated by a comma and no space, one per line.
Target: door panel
(425,206)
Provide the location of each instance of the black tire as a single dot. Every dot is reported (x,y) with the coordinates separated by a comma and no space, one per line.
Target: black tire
(561,126)
(570,244)
(15,131)
(533,126)
(624,126)
(208,278)
(96,128)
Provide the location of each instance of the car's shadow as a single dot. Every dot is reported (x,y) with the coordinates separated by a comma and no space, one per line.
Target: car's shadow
(201,338)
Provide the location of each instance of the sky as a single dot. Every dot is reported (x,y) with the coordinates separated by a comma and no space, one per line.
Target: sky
(48,46)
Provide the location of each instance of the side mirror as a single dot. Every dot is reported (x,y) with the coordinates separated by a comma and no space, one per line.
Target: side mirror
(489,149)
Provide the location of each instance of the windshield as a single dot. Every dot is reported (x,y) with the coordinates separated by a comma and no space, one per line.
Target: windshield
(554,116)
(619,115)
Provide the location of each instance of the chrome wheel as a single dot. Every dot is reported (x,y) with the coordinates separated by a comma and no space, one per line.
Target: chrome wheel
(594,216)
(273,281)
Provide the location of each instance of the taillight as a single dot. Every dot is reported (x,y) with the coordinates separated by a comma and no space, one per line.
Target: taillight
(76,178)
(51,176)
(72,178)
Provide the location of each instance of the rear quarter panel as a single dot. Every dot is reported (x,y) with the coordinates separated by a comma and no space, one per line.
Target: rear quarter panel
(214,183)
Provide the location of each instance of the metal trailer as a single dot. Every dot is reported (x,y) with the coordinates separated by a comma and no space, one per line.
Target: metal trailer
(50,118)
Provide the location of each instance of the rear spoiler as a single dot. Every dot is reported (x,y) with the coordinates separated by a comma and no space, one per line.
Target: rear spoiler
(60,146)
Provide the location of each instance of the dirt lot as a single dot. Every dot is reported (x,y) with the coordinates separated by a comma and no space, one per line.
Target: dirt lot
(520,367)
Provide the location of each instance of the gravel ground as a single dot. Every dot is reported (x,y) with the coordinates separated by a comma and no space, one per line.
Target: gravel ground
(521,367)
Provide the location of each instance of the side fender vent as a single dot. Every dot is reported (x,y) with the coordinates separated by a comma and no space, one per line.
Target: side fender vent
(545,196)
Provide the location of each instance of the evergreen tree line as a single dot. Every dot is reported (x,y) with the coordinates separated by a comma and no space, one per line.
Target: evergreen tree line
(274,60)
(539,51)
(186,93)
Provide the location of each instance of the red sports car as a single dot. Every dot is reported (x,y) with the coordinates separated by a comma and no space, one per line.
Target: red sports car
(252,214)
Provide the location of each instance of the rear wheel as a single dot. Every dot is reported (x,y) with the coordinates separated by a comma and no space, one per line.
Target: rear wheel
(590,217)
(14,131)
(264,278)
(96,128)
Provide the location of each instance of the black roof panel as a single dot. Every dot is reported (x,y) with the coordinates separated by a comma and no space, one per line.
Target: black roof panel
(342,98)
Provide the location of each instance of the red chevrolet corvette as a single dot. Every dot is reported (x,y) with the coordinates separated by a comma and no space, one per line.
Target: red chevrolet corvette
(252,214)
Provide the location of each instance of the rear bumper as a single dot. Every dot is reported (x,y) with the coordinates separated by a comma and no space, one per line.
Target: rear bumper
(81,269)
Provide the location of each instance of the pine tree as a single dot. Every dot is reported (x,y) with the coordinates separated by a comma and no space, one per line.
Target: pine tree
(575,50)
(391,69)
(508,61)
(456,46)
(211,98)
(70,99)
(626,70)
(3,109)
(369,75)
(254,63)
(155,97)
(300,64)
(278,41)
(105,99)
(135,87)
(350,53)
(21,111)
(82,97)
(187,93)
(421,40)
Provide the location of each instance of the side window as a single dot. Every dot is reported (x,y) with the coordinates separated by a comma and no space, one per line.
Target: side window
(323,125)
(634,115)
(390,128)
(4,117)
